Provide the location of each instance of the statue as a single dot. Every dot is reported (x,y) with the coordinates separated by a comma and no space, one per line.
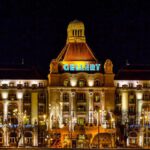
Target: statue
(53,66)
(108,66)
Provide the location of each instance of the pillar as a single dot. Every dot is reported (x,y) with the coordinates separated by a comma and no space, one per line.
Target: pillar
(49,110)
(72,109)
(61,110)
(35,136)
(73,105)
(103,106)
(5,110)
(139,96)
(124,103)
(34,116)
(20,120)
(5,133)
(141,137)
(91,118)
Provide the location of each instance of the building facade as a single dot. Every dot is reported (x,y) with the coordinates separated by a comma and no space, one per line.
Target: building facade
(81,94)
(80,105)
(133,103)
(23,99)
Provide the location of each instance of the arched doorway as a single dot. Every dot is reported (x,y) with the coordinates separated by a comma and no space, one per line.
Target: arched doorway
(28,139)
(102,140)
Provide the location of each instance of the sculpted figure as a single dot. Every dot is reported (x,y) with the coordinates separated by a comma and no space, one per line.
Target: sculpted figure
(108,66)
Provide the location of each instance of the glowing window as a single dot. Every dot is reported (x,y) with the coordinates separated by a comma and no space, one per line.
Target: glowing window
(81,96)
(26,84)
(96,97)
(65,97)
(27,98)
(11,84)
(97,83)
(65,108)
(66,82)
(82,83)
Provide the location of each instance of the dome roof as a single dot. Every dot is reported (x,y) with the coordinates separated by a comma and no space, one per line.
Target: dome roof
(75,24)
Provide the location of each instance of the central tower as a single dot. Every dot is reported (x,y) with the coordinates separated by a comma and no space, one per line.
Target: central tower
(78,87)
(75,32)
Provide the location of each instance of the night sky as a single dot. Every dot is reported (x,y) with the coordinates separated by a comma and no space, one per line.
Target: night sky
(36,30)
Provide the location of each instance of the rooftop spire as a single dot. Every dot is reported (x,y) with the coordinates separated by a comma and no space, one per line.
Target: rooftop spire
(76,32)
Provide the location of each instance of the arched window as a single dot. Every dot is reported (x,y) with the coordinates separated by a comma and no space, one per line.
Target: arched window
(96,97)
(66,82)
(97,82)
(82,83)
(42,98)
(65,97)
(81,97)
(12,96)
(65,108)
(13,119)
(131,97)
(27,98)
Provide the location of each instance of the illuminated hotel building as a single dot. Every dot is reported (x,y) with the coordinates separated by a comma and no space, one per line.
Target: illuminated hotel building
(79,105)
(133,103)
(81,95)
(73,108)
(23,97)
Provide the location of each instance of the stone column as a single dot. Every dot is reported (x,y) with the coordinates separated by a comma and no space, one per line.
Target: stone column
(124,104)
(139,96)
(5,135)
(61,110)
(35,135)
(34,116)
(20,120)
(5,110)
(73,104)
(49,109)
(91,119)
(103,106)
(141,137)
(72,109)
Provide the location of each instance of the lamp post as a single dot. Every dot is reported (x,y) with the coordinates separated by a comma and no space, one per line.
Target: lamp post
(22,122)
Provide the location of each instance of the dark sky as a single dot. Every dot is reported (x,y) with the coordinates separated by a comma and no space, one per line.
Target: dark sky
(36,30)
